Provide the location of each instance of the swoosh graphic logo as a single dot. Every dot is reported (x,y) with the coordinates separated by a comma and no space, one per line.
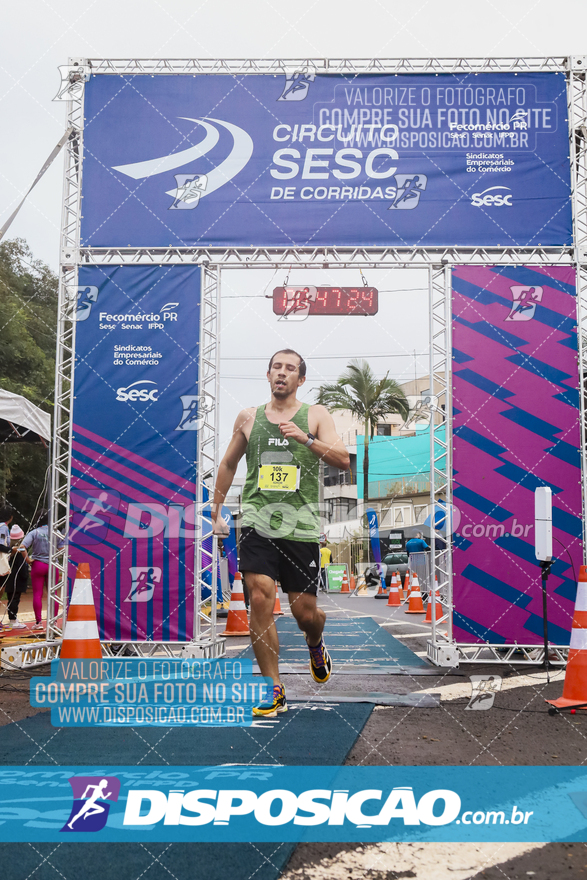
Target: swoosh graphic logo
(139,170)
(241,152)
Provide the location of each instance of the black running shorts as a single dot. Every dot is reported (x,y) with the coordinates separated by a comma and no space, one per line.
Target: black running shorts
(295,564)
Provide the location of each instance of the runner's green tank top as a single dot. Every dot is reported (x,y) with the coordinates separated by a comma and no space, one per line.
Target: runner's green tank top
(293,514)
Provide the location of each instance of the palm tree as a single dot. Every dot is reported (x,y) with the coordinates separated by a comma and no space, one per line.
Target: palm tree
(359,392)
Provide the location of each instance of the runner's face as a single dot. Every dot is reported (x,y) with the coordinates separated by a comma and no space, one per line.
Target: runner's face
(283,376)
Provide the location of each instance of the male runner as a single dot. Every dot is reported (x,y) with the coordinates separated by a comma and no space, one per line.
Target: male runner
(284,441)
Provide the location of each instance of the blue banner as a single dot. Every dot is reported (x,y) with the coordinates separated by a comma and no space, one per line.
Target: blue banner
(339,160)
(374,540)
(252,802)
(136,415)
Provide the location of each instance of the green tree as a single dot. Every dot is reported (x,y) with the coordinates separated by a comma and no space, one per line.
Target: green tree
(369,399)
(28,310)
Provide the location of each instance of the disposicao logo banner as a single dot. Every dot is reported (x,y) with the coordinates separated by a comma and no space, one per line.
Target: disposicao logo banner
(307,160)
(274,803)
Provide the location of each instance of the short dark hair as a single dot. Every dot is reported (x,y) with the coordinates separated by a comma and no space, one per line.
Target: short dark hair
(302,366)
(6,513)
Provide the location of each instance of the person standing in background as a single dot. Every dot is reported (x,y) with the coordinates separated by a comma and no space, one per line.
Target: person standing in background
(5,520)
(17,579)
(325,559)
(37,545)
(416,544)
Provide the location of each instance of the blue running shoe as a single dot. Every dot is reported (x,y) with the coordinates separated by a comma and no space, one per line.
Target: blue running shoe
(273,706)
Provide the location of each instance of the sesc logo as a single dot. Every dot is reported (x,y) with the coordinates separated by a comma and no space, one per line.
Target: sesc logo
(133,394)
(497,200)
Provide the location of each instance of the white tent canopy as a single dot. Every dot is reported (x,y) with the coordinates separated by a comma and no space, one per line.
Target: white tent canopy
(342,531)
(21,420)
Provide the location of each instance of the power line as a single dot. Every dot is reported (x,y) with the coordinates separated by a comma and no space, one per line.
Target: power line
(338,357)
(310,381)
(264,296)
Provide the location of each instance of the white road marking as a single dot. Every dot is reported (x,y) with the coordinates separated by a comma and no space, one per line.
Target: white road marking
(464,689)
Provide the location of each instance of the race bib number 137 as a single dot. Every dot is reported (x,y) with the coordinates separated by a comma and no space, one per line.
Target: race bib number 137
(279,478)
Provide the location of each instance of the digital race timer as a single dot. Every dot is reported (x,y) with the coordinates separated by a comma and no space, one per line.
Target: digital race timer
(295,299)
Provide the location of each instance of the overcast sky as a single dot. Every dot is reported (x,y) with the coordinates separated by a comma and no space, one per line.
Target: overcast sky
(40,35)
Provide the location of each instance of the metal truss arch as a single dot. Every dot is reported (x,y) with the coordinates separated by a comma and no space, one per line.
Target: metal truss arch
(326,258)
(238,66)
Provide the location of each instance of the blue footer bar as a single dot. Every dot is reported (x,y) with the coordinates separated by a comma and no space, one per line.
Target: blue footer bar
(275,803)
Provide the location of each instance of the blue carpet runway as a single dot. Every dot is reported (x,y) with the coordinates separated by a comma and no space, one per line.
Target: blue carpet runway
(305,735)
(355,641)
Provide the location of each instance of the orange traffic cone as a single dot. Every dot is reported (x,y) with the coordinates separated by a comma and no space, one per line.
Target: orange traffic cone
(353,583)
(438,605)
(277,607)
(575,686)
(345,583)
(405,591)
(81,640)
(415,606)
(237,623)
(394,598)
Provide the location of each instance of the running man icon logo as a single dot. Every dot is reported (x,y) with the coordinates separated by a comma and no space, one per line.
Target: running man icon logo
(298,302)
(144,578)
(86,295)
(409,188)
(296,86)
(195,407)
(90,802)
(484,689)
(525,300)
(189,189)
(91,515)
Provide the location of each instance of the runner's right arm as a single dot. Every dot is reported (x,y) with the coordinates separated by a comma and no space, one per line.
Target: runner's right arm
(227,469)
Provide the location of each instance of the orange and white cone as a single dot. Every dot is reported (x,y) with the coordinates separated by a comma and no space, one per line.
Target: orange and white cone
(81,640)
(405,590)
(394,598)
(237,623)
(438,604)
(575,686)
(345,583)
(353,583)
(277,607)
(415,604)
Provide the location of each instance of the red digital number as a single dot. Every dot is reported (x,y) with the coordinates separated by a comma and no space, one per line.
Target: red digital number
(322,300)
(368,299)
(353,300)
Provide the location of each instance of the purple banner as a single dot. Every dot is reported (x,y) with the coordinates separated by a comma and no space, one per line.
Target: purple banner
(516,427)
